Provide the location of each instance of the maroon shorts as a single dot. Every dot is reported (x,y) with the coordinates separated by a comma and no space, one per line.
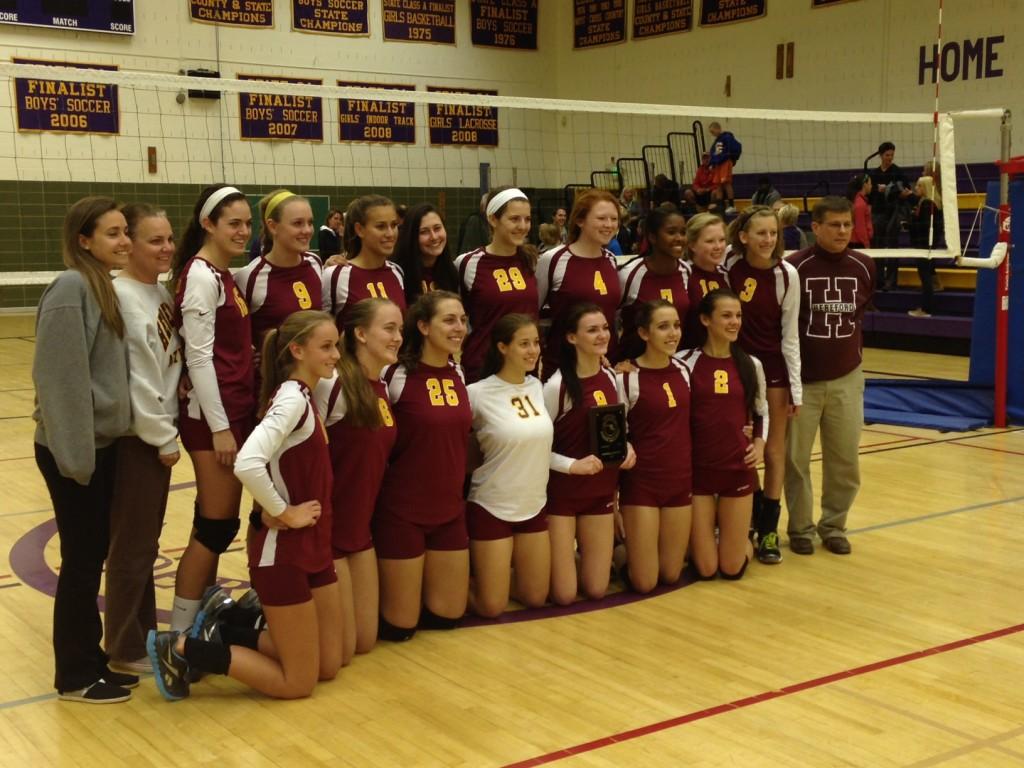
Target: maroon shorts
(349,536)
(571,506)
(776,373)
(398,539)
(635,490)
(196,435)
(730,483)
(288,584)
(483,526)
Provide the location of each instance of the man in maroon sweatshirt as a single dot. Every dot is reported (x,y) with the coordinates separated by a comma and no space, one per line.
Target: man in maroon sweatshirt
(835,286)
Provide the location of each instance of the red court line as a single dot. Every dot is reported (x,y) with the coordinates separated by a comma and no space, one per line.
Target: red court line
(869,446)
(891,434)
(703,714)
(989,448)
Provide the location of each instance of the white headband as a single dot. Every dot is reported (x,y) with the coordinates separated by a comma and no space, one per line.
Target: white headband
(214,200)
(503,197)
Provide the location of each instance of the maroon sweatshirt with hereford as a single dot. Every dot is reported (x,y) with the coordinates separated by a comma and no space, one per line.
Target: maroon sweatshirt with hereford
(834,290)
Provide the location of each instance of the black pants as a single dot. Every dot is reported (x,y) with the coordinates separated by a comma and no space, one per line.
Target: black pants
(83,525)
(926,271)
(887,235)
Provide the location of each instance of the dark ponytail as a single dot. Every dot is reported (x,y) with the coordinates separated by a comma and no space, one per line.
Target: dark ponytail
(195,235)
(502,333)
(422,310)
(748,373)
(567,352)
(409,258)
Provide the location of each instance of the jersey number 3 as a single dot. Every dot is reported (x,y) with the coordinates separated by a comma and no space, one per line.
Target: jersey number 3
(442,392)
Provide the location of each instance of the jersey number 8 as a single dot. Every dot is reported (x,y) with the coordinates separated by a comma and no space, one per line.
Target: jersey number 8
(442,392)
(721,382)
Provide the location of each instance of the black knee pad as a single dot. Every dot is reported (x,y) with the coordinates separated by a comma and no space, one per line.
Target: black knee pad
(216,535)
(430,620)
(735,576)
(388,631)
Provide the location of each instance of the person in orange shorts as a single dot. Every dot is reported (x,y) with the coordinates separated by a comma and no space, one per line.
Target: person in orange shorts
(725,153)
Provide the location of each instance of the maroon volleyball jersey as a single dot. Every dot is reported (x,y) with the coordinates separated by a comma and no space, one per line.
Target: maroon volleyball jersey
(640,285)
(423,483)
(213,320)
(572,435)
(491,287)
(564,280)
(289,447)
(834,289)
(273,293)
(702,282)
(719,411)
(359,456)
(771,308)
(427,279)
(658,417)
(346,285)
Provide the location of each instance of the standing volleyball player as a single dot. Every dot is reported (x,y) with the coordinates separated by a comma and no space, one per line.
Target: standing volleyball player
(769,291)
(362,432)
(726,395)
(80,373)
(661,274)
(422,253)
(146,455)
(286,466)
(217,413)
(582,271)
(419,527)
(505,515)
(705,248)
(581,488)
(498,279)
(371,230)
(655,496)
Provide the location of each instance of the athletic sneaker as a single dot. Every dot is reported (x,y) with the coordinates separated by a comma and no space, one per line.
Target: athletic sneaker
(918,313)
(768,549)
(120,679)
(100,692)
(169,669)
(247,612)
(731,211)
(215,601)
(136,667)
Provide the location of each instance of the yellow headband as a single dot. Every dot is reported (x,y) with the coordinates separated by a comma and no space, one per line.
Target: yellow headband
(276,200)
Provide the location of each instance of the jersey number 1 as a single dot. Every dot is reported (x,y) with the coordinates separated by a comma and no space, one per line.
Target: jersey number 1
(376,290)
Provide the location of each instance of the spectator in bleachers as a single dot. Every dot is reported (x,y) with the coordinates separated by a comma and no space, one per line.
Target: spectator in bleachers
(793,238)
(725,153)
(889,202)
(630,200)
(329,237)
(559,219)
(857,192)
(549,237)
(666,190)
(475,232)
(766,193)
(625,237)
(925,219)
(697,197)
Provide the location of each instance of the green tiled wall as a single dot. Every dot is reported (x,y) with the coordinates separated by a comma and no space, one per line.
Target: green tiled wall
(33,212)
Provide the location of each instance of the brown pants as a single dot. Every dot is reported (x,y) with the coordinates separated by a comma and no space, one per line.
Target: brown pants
(136,517)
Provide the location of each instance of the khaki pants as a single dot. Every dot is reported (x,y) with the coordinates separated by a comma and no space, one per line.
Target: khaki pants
(837,408)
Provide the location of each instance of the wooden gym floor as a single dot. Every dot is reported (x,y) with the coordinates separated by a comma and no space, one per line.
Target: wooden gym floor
(908,653)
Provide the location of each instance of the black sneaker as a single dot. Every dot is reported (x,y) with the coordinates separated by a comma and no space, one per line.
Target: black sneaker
(248,612)
(100,692)
(169,669)
(215,602)
(121,679)
(768,549)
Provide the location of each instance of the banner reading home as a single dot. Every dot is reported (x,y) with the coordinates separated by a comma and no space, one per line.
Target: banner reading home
(714,12)
(598,22)
(661,17)
(330,17)
(419,21)
(386,122)
(258,14)
(117,16)
(281,115)
(458,125)
(504,23)
(66,106)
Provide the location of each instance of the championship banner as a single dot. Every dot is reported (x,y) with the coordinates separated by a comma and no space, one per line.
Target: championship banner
(661,17)
(504,23)
(331,17)
(598,22)
(823,3)
(458,125)
(280,116)
(257,14)
(419,21)
(66,106)
(116,16)
(385,122)
(714,12)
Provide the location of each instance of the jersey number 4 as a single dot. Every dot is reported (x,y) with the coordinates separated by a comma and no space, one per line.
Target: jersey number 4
(442,392)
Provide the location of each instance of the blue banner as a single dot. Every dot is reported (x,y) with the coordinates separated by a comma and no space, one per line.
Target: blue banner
(257,14)
(281,116)
(385,122)
(504,23)
(457,125)
(419,21)
(661,17)
(116,16)
(714,12)
(598,22)
(331,17)
(66,106)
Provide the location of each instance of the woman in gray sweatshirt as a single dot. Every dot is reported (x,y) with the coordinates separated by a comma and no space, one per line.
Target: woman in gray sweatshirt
(80,372)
